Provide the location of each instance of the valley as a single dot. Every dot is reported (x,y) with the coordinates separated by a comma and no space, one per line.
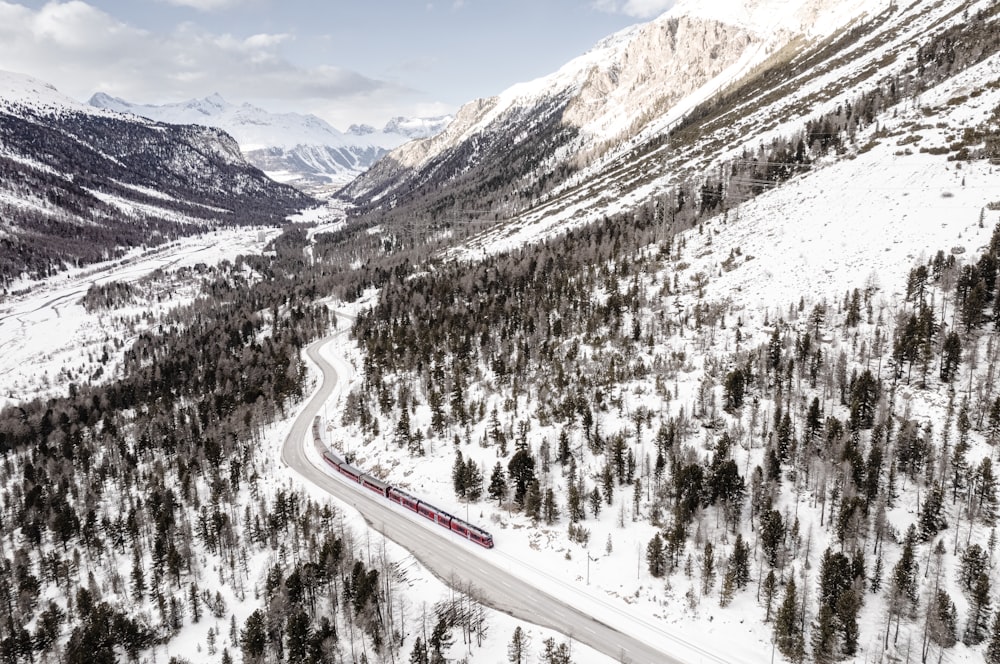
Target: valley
(710,348)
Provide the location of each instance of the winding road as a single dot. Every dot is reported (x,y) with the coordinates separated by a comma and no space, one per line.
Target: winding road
(452,558)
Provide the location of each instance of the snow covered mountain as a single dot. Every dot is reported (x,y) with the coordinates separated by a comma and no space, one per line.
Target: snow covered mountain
(79,184)
(519,144)
(287,145)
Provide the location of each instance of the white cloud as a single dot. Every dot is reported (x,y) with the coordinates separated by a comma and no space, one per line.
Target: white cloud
(636,8)
(207,5)
(81,50)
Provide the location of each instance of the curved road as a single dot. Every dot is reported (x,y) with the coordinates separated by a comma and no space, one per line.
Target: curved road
(451,558)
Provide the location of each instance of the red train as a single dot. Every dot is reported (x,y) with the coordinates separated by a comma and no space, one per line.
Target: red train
(400,497)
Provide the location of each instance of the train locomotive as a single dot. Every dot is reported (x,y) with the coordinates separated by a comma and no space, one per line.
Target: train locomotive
(400,497)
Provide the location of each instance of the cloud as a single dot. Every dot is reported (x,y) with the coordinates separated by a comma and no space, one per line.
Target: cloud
(636,8)
(207,5)
(81,50)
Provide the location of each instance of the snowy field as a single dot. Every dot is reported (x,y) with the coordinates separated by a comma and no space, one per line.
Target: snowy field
(46,335)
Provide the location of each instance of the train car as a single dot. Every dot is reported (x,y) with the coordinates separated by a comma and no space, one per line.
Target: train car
(400,497)
(471,532)
(350,471)
(444,519)
(332,459)
(427,510)
(480,536)
(375,484)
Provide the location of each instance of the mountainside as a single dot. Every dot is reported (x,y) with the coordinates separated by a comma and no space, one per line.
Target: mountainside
(289,145)
(80,184)
(599,100)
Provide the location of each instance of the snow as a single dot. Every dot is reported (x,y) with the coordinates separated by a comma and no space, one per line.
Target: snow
(859,222)
(815,18)
(862,221)
(21,90)
(255,128)
(47,338)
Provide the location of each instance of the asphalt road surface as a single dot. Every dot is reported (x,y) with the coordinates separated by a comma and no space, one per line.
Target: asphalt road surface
(455,561)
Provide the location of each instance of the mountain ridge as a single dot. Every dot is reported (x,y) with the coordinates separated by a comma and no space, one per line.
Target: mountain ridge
(81,184)
(303,146)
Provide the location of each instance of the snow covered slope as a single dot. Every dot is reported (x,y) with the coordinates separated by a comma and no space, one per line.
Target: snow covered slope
(80,184)
(601,99)
(292,143)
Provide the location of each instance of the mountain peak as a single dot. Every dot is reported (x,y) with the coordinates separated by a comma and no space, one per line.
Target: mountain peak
(361,129)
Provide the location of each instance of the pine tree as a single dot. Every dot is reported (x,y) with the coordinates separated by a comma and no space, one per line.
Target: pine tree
(550,511)
(595,501)
(787,629)
(848,605)
(707,569)
(138,578)
(498,484)
(564,453)
(876,580)
(440,637)
(419,653)
(533,501)
(474,481)
(993,649)
(769,588)
(253,638)
(824,636)
(459,475)
(739,562)
(298,632)
(522,472)
(655,556)
(977,625)
(942,620)
(517,649)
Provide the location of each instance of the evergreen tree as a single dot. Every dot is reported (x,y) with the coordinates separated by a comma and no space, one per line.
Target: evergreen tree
(533,501)
(522,472)
(138,577)
(195,602)
(769,588)
(951,356)
(824,636)
(595,501)
(498,484)
(517,649)
(297,633)
(253,638)
(459,475)
(993,649)
(564,453)
(942,620)
(441,636)
(847,608)
(550,511)
(739,562)
(787,629)
(419,653)
(656,557)
(977,625)
(707,569)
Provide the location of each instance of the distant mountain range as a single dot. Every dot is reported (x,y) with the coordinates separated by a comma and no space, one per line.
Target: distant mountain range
(79,184)
(288,146)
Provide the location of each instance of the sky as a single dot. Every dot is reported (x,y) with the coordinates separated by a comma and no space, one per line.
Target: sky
(348,62)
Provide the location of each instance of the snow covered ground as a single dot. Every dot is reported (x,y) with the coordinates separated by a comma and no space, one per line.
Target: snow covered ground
(861,222)
(46,334)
